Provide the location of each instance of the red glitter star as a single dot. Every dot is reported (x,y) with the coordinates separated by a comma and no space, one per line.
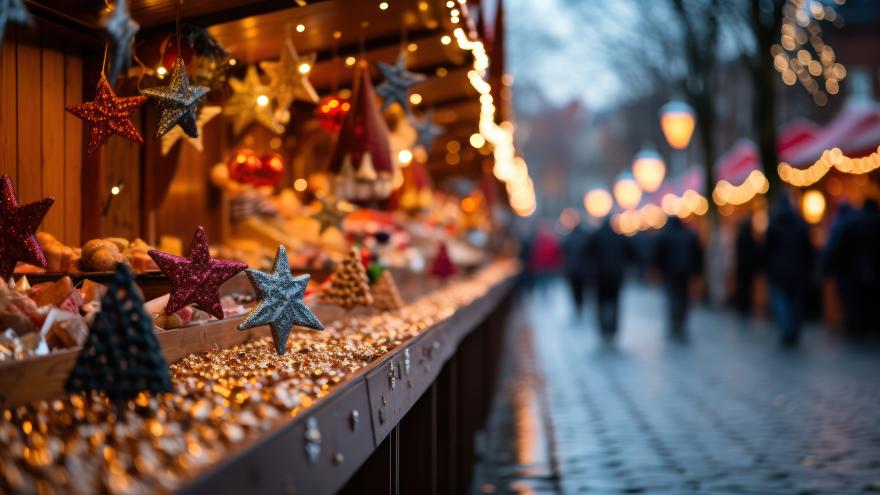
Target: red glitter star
(196,278)
(18,224)
(108,115)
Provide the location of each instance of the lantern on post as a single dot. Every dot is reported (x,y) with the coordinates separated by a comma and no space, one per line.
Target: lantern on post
(649,169)
(677,121)
(626,191)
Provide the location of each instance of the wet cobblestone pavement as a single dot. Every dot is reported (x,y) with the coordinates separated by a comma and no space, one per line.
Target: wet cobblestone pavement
(730,412)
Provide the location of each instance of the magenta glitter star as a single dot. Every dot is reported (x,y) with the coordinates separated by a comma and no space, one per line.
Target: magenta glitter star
(18,224)
(196,278)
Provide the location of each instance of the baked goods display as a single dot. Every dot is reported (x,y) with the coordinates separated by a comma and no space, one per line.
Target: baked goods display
(96,255)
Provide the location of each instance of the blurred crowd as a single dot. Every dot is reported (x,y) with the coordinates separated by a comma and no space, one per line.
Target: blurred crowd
(598,260)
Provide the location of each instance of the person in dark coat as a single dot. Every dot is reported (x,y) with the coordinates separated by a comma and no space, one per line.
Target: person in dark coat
(575,269)
(855,257)
(789,261)
(678,257)
(835,264)
(607,255)
(747,265)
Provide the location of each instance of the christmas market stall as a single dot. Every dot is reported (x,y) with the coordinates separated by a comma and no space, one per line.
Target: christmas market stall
(252,246)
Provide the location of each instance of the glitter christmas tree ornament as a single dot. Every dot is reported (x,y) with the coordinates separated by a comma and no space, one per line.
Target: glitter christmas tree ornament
(107,115)
(398,81)
(251,101)
(178,102)
(350,285)
(196,278)
(18,226)
(280,302)
(120,28)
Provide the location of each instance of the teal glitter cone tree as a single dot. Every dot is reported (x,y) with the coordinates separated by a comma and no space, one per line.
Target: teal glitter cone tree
(121,356)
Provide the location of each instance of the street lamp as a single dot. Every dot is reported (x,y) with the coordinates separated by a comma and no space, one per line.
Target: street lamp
(598,202)
(677,121)
(626,191)
(649,169)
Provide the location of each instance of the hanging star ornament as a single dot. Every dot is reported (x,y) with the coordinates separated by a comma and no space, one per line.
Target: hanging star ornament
(398,81)
(250,102)
(176,133)
(18,226)
(178,102)
(329,216)
(427,130)
(108,115)
(280,303)
(120,28)
(289,76)
(196,278)
(12,11)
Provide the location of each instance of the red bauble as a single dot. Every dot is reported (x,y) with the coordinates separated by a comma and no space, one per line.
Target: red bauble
(331,113)
(246,167)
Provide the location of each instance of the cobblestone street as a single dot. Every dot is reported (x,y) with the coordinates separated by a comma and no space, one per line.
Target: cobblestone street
(728,412)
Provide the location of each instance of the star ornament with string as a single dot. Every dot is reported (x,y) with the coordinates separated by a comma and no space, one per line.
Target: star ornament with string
(13,11)
(175,134)
(280,303)
(398,81)
(289,76)
(427,131)
(120,28)
(18,226)
(196,278)
(178,102)
(329,216)
(108,115)
(251,102)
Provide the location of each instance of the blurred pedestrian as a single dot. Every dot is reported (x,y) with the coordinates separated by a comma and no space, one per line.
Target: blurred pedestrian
(789,262)
(607,255)
(678,257)
(575,265)
(855,257)
(546,256)
(747,265)
(836,263)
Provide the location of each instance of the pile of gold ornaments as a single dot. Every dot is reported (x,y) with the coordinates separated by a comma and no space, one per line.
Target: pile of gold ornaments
(222,399)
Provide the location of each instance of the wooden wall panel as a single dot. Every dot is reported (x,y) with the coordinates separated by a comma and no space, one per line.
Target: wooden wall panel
(52,136)
(40,145)
(8,106)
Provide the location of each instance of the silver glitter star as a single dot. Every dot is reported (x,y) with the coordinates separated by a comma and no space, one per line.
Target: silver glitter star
(280,306)
(120,28)
(179,102)
(427,130)
(397,82)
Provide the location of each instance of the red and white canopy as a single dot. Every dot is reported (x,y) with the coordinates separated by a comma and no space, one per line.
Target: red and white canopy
(742,158)
(855,130)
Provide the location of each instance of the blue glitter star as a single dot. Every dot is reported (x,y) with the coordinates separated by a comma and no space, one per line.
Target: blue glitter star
(397,82)
(120,28)
(281,302)
(427,130)
(13,11)
(179,102)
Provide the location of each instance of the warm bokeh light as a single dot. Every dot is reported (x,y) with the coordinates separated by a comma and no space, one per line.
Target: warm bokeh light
(477,140)
(677,121)
(649,170)
(405,157)
(598,202)
(445,39)
(569,218)
(262,100)
(305,68)
(813,206)
(415,98)
(300,184)
(627,192)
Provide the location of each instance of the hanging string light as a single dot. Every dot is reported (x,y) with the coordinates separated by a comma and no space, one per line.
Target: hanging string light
(802,55)
(833,158)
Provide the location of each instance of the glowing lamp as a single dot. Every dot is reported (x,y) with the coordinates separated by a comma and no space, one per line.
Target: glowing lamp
(598,202)
(649,170)
(813,206)
(677,121)
(627,192)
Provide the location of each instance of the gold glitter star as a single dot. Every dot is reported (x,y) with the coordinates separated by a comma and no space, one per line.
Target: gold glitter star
(289,76)
(251,101)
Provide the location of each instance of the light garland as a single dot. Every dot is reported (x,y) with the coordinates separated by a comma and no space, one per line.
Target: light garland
(509,168)
(726,193)
(802,55)
(833,158)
